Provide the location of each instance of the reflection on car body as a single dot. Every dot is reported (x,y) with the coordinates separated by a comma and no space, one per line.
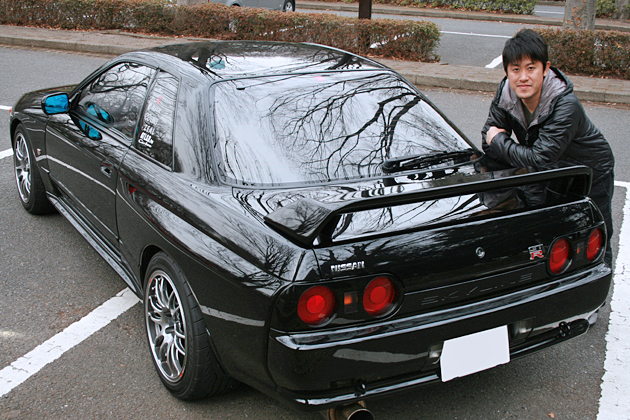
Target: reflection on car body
(291,213)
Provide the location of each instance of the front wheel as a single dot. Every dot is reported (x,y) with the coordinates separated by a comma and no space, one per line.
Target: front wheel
(177,334)
(289,6)
(29,182)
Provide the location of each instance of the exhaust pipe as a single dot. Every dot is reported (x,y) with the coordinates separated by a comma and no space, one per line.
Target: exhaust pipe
(355,411)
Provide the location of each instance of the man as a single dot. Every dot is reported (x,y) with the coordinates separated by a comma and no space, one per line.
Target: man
(536,103)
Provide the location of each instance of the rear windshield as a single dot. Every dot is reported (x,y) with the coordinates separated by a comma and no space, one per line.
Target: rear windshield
(315,128)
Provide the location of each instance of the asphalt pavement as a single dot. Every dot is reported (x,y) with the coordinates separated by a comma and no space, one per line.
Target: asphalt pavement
(422,74)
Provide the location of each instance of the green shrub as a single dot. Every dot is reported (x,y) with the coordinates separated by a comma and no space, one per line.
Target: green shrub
(593,53)
(606,8)
(404,39)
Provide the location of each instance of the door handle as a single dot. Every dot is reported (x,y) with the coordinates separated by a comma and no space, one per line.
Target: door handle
(106,169)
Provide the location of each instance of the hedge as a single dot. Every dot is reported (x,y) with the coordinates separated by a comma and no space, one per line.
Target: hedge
(403,39)
(592,53)
(604,8)
(521,7)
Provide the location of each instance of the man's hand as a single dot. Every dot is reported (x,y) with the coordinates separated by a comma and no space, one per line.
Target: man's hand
(493,131)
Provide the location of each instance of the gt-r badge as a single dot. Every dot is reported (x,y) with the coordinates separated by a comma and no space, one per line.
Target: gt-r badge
(536,251)
(337,268)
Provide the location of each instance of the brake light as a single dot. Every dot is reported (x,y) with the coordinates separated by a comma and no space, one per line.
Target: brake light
(595,241)
(559,257)
(316,305)
(379,295)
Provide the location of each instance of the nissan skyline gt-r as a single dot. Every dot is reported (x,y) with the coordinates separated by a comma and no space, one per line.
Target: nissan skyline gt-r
(305,221)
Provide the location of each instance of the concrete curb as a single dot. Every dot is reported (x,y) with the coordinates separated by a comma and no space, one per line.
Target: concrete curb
(59,44)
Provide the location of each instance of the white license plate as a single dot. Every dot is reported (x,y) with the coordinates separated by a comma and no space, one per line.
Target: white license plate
(475,352)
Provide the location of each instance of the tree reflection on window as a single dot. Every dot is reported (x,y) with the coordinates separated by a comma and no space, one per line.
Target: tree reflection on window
(325,126)
(115,97)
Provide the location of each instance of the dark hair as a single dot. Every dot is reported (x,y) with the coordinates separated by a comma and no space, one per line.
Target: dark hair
(526,43)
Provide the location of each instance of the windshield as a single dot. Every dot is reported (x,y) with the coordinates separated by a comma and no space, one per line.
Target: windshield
(313,128)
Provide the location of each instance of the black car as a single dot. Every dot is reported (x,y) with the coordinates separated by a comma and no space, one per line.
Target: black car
(305,221)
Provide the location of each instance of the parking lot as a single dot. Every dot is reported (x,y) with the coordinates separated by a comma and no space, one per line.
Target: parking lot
(72,339)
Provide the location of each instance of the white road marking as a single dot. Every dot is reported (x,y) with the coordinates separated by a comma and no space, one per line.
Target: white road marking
(614,402)
(6,153)
(52,349)
(495,62)
(472,34)
(5,108)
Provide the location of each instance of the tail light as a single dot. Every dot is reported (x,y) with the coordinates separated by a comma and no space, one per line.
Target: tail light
(379,296)
(559,257)
(316,305)
(594,247)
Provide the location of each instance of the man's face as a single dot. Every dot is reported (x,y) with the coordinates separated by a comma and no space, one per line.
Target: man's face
(526,79)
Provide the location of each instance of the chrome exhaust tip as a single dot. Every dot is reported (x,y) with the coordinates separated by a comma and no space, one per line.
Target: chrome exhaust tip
(355,411)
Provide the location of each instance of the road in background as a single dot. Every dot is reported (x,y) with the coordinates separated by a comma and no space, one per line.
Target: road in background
(463,42)
(51,278)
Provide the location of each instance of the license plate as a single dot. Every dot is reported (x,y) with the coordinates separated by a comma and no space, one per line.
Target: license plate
(475,352)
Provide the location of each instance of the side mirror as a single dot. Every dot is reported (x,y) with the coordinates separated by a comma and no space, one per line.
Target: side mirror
(57,103)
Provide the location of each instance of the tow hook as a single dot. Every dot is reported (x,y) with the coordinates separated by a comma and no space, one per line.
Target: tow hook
(565,329)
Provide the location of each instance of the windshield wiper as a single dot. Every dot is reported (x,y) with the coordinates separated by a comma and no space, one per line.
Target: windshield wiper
(426,161)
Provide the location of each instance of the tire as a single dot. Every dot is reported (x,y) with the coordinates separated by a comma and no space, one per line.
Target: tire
(289,6)
(29,182)
(177,336)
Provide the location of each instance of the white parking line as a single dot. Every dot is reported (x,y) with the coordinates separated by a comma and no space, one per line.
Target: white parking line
(614,402)
(5,108)
(495,62)
(472,34)
(6,153)
(52,349)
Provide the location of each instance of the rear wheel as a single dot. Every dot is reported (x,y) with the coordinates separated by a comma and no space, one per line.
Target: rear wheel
(29,182)
(289,6)
(177,335)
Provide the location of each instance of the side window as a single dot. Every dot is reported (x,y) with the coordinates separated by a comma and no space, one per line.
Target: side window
(156,128)
(115,97)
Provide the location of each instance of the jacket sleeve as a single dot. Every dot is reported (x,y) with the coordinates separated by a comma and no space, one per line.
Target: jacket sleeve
(497,117)
(554,135)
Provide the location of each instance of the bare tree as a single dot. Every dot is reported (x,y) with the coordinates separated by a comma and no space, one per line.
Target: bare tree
(580,14)
(365,9)
(623,10)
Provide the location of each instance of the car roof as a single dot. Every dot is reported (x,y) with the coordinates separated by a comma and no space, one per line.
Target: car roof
(230,59)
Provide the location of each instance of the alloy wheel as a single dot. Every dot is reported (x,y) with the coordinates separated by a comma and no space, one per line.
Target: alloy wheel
(22,160)
(166,326)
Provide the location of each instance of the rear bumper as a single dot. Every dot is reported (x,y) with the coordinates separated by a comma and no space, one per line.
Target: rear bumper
(318,370)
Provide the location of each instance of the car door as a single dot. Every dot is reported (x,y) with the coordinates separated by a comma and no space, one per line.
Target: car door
(86,146)
(271,4)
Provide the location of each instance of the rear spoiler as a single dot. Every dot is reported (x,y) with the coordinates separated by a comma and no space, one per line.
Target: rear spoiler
(303,220)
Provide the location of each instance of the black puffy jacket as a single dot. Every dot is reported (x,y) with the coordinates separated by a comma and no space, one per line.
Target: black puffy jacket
(560,133)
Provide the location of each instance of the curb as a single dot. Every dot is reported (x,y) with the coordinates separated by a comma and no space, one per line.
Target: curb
(59,44)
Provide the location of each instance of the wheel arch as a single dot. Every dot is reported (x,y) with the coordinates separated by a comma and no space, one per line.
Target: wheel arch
(14,124)
(147,254)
